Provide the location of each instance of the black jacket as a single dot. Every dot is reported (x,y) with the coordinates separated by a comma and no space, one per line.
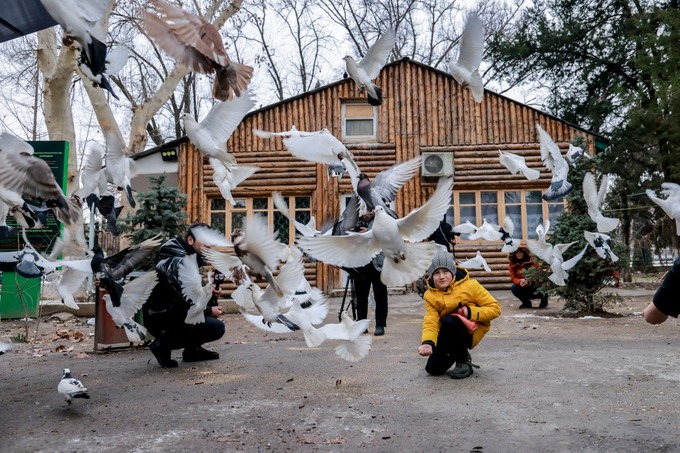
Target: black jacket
(166,304)
(666,296)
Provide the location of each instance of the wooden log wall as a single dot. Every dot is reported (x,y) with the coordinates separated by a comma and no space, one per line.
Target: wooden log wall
(424,109)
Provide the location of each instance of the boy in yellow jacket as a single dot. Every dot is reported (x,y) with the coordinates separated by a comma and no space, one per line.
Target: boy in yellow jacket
(458,313)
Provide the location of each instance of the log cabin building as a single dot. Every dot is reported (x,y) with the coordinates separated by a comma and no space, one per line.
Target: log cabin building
(425,113)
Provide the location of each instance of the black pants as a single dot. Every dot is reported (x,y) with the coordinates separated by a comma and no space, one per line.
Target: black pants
(363,279)
(453,343)
(181,335)
(526,293)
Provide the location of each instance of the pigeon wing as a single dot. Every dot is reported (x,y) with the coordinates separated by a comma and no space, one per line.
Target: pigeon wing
(222,261)
(388,182)
(420,223)
(136,293)
(315,148)
(377,54)
(10,143)
(352,250)
(224,117)
(471,45)
(262,244)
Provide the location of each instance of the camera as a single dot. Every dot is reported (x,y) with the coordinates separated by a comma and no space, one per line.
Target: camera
(219,278)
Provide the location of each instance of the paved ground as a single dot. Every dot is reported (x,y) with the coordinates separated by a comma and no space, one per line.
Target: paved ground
(546,383)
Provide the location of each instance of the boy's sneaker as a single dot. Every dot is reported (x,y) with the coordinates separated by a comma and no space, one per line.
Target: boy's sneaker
(462,370)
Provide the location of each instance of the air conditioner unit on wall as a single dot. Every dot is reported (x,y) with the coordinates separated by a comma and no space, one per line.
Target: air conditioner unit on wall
(437,164)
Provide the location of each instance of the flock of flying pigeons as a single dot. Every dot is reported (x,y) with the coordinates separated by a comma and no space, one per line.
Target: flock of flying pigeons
(289,303)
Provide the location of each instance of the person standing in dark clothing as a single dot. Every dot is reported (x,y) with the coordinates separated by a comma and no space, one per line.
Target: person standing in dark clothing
(666,301)
(369,276)
(165,310)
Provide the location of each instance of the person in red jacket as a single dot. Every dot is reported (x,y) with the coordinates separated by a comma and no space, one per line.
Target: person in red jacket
(522,288)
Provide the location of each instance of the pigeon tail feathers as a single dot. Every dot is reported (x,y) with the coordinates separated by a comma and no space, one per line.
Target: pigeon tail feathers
(557,190)
(375,101)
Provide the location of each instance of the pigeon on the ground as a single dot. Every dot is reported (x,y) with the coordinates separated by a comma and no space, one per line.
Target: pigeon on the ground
(227,176)
(671,204)
(404,262)
(554,161)
(353,346)
(516,164)
(487,231)
(211,134)
(384,187)
(197,44)
(71,387)
(135,294)
(602,244)
(81,21)
(112,270)
(478,262)
(466,68)
(365,71)
(594,199)
(193,289)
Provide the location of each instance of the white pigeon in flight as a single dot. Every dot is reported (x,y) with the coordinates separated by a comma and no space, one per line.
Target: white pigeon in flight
(466,68)
(368,69)
(119,168)
(478,262)
(308,229)
(554,161)
(211,134)
(553,255)
(487,231)
(671,204)
(516,164)
(510,244)
(602,244)
(227,176)
(576,153)
(404,262)
(542,230)
(353,344)
(320,146)
(135,294)
(193,289)
(466,227)
(594,199)
(81,20)
(71,387)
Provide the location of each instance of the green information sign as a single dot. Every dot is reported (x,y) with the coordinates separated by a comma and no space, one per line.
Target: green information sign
(20,297)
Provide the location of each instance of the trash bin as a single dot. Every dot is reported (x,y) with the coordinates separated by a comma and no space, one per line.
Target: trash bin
(107,335)
(19,296)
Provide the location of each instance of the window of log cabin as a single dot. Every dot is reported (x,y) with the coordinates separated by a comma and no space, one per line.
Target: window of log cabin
(359,121)
(227,218)
(526,208)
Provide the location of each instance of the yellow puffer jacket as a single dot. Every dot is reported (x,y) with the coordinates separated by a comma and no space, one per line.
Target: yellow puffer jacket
(462,291)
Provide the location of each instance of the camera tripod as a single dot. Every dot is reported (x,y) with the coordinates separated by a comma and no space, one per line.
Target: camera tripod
(349,287)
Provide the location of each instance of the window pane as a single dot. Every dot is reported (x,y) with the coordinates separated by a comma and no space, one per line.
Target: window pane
(359,111)
(534,197)
(281,227)
(490,213)
(218,204)
(513,197)
(534,219)
(302,202)
(515,213)
(217,221)
(260,203)
(489,197)
(303,217)
(240,203)
(467,213)
(467,198)
(359,128)
(237,219)
(554,210)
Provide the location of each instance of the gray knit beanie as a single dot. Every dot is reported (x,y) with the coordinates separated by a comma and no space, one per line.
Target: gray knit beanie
(442,260)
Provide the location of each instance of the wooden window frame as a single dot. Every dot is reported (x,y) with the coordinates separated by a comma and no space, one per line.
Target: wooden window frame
(249,211)
(346,137)
(501,209)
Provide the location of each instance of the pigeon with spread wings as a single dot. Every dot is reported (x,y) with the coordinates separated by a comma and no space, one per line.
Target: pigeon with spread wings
(197,44)
(404,262)
(466,68)
(365,71)
(135,294)
(516,164)
(554,161)
(671,204)
(594,199)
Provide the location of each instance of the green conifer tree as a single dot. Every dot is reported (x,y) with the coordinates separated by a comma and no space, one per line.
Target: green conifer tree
(161,211)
